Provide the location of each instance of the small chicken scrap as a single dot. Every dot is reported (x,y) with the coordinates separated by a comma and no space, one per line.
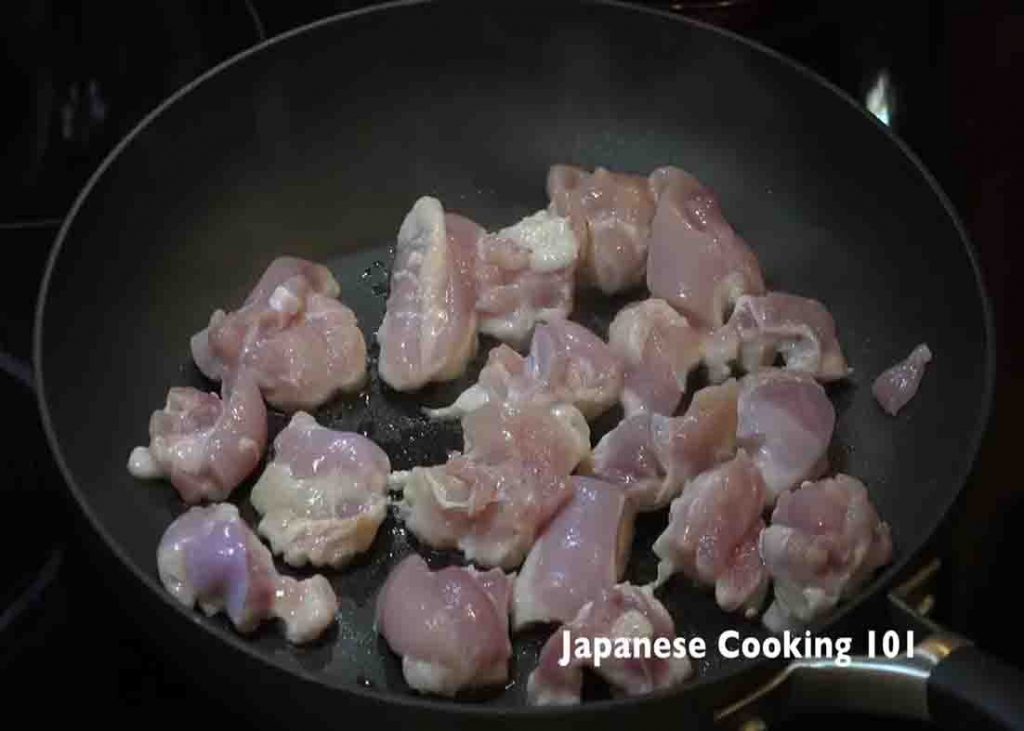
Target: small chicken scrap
(653,456)
(205,445)
(324,494)
(712,535)
(582,551)
(301,344)
(491,501)
(621,612)
(567,364)
(824,542)
(895,386)
(210,557)
(450,626)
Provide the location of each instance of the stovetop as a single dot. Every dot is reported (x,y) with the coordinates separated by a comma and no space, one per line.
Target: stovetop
(84,73)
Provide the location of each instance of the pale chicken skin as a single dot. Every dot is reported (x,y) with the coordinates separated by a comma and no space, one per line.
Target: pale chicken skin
(784,422)
(582,551)
(653,456)
(209,557)
(302,345)
(491,502)
(611,216)
(429,331)
(697,262)
(450,626)
(206,446)
(324,494)
(620,612)
(525,274)
(567,363)
(798,329)
(712,535)
(896,386)
(659,348)
(824,542)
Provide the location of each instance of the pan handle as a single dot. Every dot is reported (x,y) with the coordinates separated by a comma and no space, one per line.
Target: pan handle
(948,681)
(968,688)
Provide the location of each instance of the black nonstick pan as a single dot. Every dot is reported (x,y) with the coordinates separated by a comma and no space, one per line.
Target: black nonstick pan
(317,142)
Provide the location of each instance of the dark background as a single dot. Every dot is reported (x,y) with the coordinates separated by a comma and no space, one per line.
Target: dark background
(80,74)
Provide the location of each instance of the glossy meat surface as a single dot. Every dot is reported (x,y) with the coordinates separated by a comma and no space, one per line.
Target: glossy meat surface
(653,456)
(799,330)
(712,535)
(210,557)
(896,386)
(824,542)
(324,494)
(659,349)
(302,345)
(206,446)
(429,331)
(697,263)
(582,551)
(566,364)
(611,216)
(525,274)
(449,626)
(491,501)
(785,423)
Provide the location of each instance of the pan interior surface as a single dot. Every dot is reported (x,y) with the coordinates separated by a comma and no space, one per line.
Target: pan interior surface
(317,145)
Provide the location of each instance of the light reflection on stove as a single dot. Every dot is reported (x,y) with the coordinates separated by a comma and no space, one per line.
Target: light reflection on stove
(880,100)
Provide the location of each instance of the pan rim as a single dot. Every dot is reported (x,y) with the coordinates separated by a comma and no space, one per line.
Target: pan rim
(426,703)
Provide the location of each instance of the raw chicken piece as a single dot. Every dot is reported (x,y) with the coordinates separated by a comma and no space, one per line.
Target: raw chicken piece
(785,423)
(712,535)
(280,271)
(653,456)
(556,438)
(567,364)
(574,366)
(801,330)
(323,496)
(301,344)
(623,612)
(503,374)
(204,445)
(429,331)
(210,557)
(697,263)
(524,275)
(314,354)
(824,542)
(449,626)
(611,216)
(894,388)
(626,456)
(284,268)
(582,551)
(659,349)
(491,502)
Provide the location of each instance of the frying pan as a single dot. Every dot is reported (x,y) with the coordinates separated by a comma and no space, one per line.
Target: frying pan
(317,142)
